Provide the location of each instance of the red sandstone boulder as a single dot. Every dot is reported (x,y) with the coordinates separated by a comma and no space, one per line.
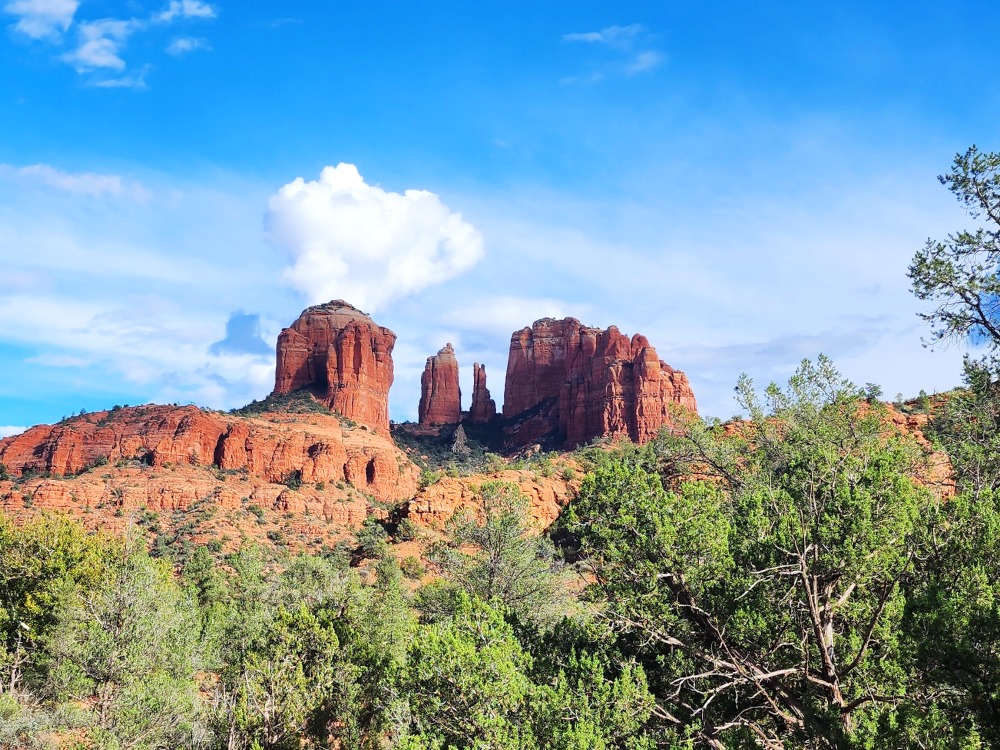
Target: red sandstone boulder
(483,408)
(581,383)
(344,357)
(440,396)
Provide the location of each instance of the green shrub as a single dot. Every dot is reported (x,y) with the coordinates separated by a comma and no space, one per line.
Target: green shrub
(428,477)
(412,567)
(407,531)
(372,538)
(293,480)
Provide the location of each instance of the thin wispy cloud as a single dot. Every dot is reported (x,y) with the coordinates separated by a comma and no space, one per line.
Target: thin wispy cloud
(642,62)
(182,45)
(276,23)
(630,49)
(620,37)
(185,9)
(134,80)
(92,184)
(42,19)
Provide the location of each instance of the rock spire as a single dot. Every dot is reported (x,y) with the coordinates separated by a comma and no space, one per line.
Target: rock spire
(483,408)
(440,396)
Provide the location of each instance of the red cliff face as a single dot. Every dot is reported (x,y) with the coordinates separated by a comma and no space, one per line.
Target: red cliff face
(310,448)
(440,397)
(344,357)
(582,383)
(484,408)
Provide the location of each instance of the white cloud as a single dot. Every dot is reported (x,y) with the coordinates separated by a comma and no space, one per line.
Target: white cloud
(642,62)
(97,53)
(134,80)
(184,44)
(358,242)
(622,37)
(42,19)
(80,183)
(630,51)
(8,430)
(122,299)
(186,9)
(100,44)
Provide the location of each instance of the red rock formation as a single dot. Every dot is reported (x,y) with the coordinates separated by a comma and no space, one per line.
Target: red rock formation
(483,408)
(307,447)
(344,357)
(582,383)
(440,396)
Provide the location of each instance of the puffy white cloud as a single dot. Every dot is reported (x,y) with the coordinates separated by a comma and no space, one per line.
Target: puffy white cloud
(186,9)
(8,430)
(100,44)
(41,19)
(184,44)
(358,242)
(80,183)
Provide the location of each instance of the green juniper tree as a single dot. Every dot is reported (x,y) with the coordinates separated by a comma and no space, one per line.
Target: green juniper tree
(765,597)
(129,649)
(495,552)
(959,274)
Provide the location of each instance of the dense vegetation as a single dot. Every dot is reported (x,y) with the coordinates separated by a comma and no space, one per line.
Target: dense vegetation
(797,579)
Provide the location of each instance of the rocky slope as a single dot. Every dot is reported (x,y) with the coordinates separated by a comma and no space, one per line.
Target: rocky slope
(310,477)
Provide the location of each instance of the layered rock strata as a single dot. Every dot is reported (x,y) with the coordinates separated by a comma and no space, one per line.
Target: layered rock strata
(440,395)
(344,357)
(579,383)
(483,408)
(280,449)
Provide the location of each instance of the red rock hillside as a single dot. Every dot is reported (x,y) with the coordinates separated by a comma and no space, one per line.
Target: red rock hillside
(440,396)
(305,480)
(580,383)
(307,448)
(344,357)
(483,408)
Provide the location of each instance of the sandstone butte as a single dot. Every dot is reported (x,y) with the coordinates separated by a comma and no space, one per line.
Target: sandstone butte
(579,383)
(311,478)
(440,396)
(343,357)
(484,408)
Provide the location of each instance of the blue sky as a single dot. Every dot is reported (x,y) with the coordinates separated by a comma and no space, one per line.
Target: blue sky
(743,183)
